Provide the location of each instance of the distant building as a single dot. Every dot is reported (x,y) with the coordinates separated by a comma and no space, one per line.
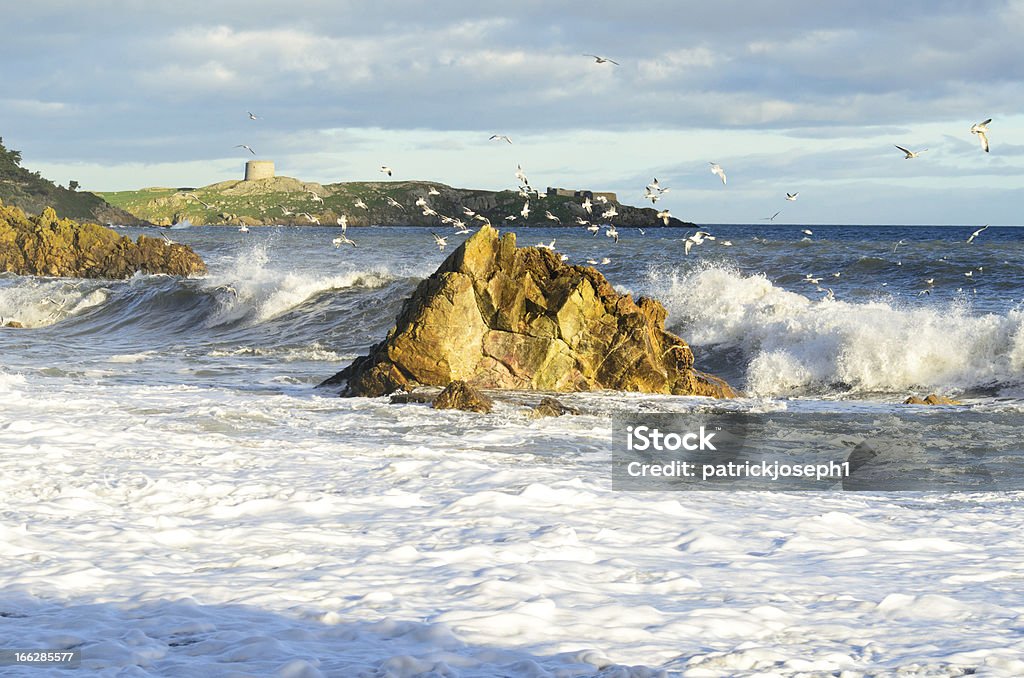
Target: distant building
(259,169)
(581,194)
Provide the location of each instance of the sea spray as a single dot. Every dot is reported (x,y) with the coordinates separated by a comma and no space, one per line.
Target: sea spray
(798,345)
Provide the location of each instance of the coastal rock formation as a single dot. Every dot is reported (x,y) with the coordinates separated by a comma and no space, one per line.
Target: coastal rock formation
(47,245)
(551,407)
(500,317)
(459,395)
(932,399)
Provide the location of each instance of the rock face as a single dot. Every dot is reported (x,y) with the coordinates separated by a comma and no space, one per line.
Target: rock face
(46,245)
(459,395)
(500,317)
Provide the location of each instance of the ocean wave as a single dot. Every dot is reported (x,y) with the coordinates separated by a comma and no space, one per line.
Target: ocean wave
(794,345)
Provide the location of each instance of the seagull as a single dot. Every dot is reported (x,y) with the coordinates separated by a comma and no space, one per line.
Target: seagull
(725,243)
(664,215)
(552,217)
(385,169)
(587,205)
(394,203)
(521,175)
(612,233)
(602,60)
(468,212)
(525,212)
(316,198)
(969,274)
(717,169)
(500,137)
(285,211)
(343,240)
(930,281)
(582,222)
(772,217)
(609,213)
(808,278)
(461,227)
(309,216)
(910,154)
(981,129)
(511,217)
(428,212)
(898,243)
(807,231)
(246,148)
(792,196)
(601,199)
(976,234)
(594,228)
(433,191)
(243,229)
(440,241)
(549,246)
(253,116)
(204,204)
(697,238)
(343,222)
(421,202)
(360,204)
(480,217)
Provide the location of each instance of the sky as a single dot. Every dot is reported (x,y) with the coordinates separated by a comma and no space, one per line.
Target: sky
(789,96)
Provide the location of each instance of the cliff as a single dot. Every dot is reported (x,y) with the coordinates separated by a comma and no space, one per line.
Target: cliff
(32,193)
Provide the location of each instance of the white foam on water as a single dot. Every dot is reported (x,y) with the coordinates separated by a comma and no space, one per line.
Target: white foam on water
(305,535)
(796,345)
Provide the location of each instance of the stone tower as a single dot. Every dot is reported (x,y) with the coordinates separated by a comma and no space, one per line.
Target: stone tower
(259,169)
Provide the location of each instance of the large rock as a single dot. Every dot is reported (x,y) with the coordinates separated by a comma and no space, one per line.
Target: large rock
(932,399)
(459,395)
(499,317)
(46,245)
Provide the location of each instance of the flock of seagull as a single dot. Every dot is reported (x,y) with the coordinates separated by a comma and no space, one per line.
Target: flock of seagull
(654,191)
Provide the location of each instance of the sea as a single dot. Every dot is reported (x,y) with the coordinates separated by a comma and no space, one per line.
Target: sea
(179,498)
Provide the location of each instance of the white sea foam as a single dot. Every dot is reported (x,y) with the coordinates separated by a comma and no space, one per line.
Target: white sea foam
(795,345)
(254,285)
(38,302)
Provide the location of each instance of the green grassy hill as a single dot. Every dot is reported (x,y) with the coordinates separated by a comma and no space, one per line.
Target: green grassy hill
(282,200)
(32,193)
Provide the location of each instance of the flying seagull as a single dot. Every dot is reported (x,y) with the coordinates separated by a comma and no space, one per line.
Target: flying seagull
(204,204)
(394,203)
(343,240)
(439,241)
(253,116)
(910,154)
(316,198)
(343,222)
(664,215)
(550,216)
(500,137)
(697,238)
(981,129)
(246,148)
(612,232)
(792,196)
(587,205)
(976,234)
(717,169)
(772,217)
(360,204)
(385,169)
(433,191)
(602,60)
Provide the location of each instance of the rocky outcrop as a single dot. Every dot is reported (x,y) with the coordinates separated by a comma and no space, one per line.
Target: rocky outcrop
(500,317)
(47,245)
(459,395)
(932,399)
(551,407)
